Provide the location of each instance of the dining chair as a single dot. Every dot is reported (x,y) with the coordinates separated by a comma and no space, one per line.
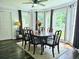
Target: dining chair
(54,41)
(25,28)
(28,37)
(35,41)
(23,36)
(57,39)
(48,29)
(20,36)
(42,29)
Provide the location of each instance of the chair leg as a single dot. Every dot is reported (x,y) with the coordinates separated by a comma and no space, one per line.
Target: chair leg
(58,48)
(42,49)
(22,42)
(29,47)
(49,47)
(45,46)
(53,51)
(34,49)
(25,45)
(36,46)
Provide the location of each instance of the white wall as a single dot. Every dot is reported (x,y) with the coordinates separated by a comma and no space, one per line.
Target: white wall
(14,15)
(5,25)
(7,19)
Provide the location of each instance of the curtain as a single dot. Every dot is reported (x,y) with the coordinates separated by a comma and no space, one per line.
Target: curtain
(51,18)
(36,20)
(20,20)
(76,34)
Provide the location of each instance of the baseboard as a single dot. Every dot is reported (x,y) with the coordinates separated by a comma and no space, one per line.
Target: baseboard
(7,39)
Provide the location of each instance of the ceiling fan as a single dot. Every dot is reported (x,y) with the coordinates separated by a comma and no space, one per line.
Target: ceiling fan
(35,2)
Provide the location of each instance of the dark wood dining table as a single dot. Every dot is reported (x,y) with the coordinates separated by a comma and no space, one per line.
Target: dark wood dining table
(45,33)
(43,36)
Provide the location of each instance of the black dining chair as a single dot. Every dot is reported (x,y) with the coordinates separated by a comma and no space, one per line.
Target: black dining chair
(54,41)
(20,35)
(50,29)
(35,40)
(28,37)
(23,36)
(25,28)
(42,29)
(57,39)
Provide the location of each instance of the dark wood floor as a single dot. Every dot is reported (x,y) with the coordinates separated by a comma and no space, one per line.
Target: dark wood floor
(71,54)
(9,50)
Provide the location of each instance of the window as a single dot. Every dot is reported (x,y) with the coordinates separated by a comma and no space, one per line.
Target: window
(41,18)
(60,16)
(26,19)
(47,17)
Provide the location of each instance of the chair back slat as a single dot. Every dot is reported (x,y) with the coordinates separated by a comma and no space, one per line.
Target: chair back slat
(57,36)
(25,28)
(60,32)
(30,32)
(42,29)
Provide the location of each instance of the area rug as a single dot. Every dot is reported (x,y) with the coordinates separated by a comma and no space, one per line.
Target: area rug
(47,51)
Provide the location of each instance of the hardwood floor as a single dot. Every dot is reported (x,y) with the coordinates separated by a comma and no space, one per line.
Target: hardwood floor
(9,50)
(71,54)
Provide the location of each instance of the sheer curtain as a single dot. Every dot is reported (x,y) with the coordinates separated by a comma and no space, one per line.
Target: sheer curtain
(47,18)
(71,16)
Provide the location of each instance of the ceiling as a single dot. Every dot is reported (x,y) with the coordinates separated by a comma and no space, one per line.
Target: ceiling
(18,4)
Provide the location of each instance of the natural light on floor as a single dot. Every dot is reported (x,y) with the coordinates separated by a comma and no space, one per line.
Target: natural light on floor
(47,51)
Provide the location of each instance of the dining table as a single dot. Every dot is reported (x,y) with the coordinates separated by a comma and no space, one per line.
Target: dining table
(43,36)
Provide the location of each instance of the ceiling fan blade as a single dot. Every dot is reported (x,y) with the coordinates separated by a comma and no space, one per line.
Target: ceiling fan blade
(42,0)
(41,4)
(27,2)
